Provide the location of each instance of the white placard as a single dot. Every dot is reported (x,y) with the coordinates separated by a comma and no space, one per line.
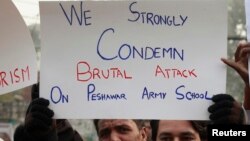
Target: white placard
(18,67)
(133,59)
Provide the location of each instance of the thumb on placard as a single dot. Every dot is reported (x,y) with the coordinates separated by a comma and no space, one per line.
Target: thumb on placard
(35,91)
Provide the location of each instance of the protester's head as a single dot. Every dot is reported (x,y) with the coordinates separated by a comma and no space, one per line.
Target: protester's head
(120,130)
(178,130)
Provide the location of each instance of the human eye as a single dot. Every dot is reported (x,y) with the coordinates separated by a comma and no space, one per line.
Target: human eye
(104,133)
(122,129)
(166,138)
(188,138)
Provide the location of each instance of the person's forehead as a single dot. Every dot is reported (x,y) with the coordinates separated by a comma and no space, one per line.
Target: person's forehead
(175,126)
(115,122)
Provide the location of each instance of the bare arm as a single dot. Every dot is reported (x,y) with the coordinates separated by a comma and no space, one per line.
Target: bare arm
(240,65)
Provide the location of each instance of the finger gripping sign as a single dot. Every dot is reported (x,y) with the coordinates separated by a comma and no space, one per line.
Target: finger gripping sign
(134,59)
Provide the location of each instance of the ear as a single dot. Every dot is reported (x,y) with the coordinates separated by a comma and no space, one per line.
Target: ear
(143,134)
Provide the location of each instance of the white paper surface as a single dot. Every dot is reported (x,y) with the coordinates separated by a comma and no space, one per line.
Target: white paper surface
(18,67)
(118,60)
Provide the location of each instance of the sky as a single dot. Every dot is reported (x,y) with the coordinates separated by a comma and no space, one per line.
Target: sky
(29,9)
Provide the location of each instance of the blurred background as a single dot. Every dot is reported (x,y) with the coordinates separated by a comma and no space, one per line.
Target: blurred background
(13,105)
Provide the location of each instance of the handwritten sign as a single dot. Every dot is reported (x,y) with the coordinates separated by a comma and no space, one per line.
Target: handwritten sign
(133,59)
(18,67)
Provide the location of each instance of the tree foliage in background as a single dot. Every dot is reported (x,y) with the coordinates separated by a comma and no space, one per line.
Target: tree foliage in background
(236,33)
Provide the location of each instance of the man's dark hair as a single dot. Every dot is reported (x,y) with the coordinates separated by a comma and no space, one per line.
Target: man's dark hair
(139,123)
(199,126)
